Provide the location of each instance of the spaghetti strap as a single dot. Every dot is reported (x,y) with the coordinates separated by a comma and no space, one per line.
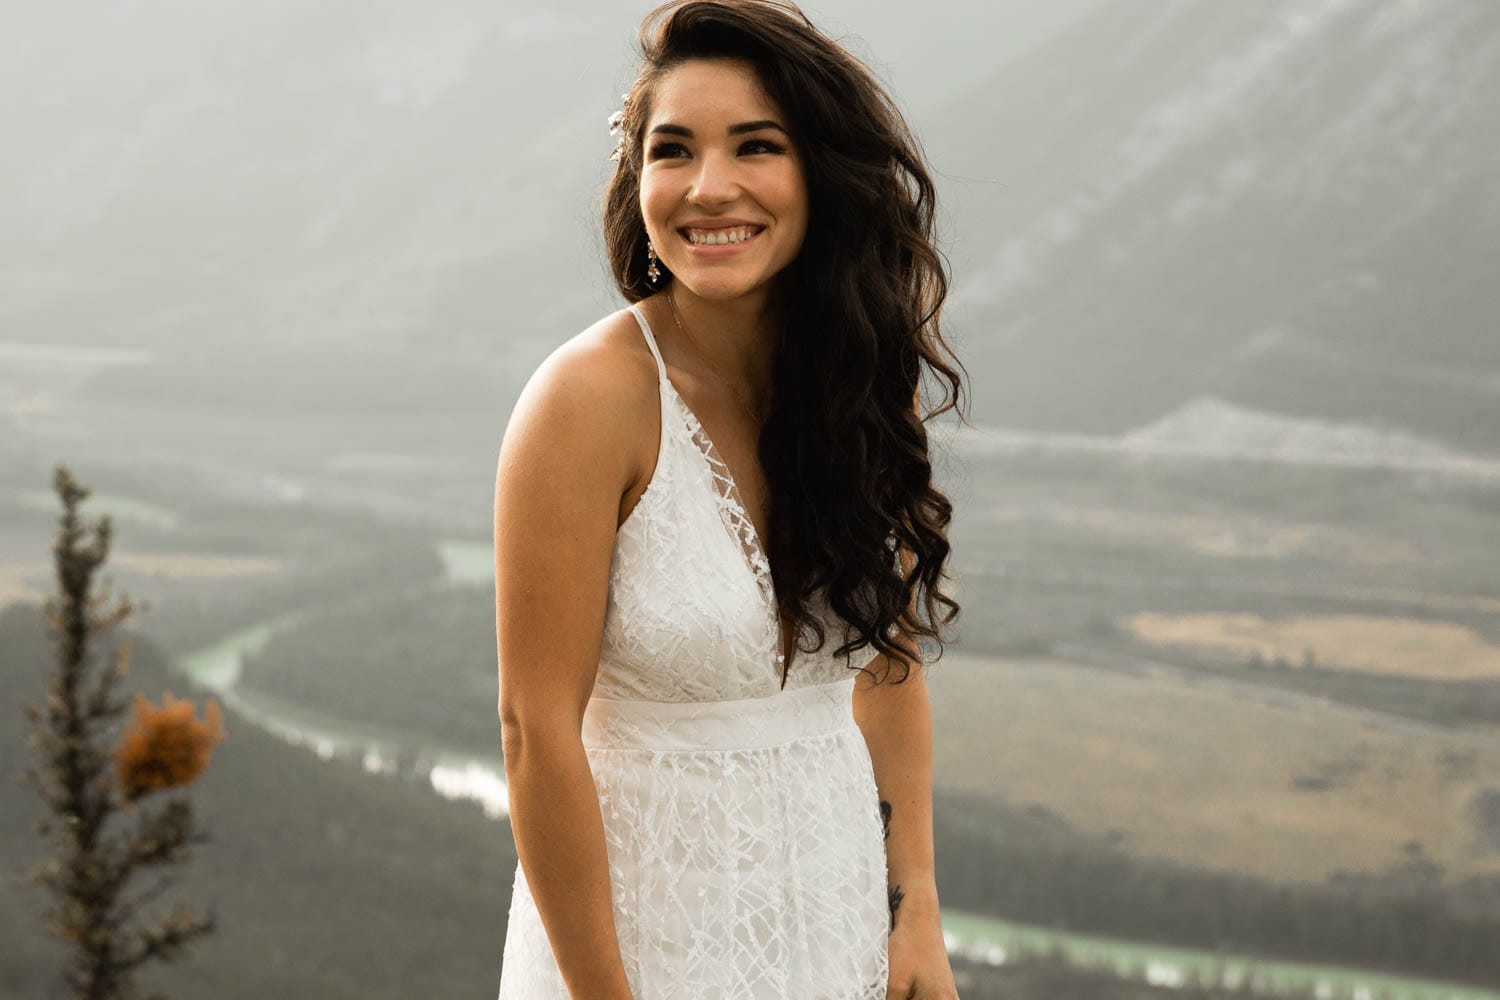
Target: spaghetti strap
(640,318)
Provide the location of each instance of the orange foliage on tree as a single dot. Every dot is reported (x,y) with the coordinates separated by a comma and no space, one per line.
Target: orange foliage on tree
(166,746)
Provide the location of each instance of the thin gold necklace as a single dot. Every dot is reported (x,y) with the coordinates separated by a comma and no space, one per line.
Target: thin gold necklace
(677,317)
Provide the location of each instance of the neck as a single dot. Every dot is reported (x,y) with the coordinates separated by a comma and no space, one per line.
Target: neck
(737,336)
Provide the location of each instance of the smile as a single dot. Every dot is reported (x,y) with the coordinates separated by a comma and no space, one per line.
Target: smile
(734,236)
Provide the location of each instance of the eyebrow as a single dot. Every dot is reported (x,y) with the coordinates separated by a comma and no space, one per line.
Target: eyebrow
(667,128)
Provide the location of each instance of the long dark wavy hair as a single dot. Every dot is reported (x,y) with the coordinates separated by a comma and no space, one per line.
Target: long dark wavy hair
(844,447)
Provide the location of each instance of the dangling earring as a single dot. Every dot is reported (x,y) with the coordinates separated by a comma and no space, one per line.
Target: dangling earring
(652,271)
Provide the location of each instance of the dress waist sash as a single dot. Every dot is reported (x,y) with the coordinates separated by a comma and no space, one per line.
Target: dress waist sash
(743,724)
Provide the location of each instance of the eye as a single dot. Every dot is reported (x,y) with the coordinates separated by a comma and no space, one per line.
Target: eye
(662,149)
(766,144)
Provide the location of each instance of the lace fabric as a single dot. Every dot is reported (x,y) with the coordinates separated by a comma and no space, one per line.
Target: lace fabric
(742,825)
(736,519)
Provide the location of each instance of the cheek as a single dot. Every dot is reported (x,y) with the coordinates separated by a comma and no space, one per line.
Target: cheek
(656,199)
(791,195)
(793,210)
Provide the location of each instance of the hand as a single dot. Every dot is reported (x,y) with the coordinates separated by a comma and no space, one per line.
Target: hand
(918,958)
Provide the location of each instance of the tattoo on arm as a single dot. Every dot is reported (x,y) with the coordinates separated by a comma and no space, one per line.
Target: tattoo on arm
(895,893)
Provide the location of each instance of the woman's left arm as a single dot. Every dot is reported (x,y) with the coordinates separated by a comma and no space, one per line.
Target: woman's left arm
(896,720)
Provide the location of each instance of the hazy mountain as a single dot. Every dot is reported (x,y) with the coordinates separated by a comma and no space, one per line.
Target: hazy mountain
(284,177)
(1281,205)
(281,173)
(1286,205)
(1206,427)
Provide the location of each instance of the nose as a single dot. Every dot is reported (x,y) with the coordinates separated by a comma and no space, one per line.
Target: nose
(717,180)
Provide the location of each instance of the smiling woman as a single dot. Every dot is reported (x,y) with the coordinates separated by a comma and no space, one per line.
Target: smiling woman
(706,156)
(705,806)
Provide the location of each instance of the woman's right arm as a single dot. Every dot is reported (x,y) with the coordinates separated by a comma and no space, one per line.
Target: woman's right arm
(567,457)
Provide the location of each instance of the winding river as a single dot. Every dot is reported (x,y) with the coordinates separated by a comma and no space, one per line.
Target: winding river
(459,775)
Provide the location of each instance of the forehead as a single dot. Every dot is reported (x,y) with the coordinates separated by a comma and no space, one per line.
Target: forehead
(711,90)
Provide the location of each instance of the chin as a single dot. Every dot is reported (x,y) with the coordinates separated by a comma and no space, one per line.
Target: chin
(722,287)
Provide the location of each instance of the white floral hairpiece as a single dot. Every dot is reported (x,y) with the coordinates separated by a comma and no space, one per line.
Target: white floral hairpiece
(617,127)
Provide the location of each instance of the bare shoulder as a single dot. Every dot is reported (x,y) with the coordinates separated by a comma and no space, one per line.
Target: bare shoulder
(592,399)
(570,453)
(616,341)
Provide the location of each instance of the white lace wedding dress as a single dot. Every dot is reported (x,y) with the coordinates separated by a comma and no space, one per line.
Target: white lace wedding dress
(741,820)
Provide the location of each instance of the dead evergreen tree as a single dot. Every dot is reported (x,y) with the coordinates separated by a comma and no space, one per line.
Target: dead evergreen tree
(85,782)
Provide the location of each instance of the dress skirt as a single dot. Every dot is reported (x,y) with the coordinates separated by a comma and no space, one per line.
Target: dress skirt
(746,853)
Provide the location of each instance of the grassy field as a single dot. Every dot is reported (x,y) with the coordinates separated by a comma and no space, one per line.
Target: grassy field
(1181,770)
(28,580)
(1407,647)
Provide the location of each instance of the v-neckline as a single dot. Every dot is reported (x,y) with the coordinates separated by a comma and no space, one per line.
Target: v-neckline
(759,562)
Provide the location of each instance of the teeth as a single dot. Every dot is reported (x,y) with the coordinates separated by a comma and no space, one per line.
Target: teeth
(718,237)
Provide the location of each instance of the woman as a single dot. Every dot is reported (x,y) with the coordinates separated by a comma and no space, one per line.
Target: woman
(705,805)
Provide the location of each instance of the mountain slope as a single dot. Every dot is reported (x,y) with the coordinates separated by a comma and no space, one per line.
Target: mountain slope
(327,882)
(382,173)
(1286,205)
